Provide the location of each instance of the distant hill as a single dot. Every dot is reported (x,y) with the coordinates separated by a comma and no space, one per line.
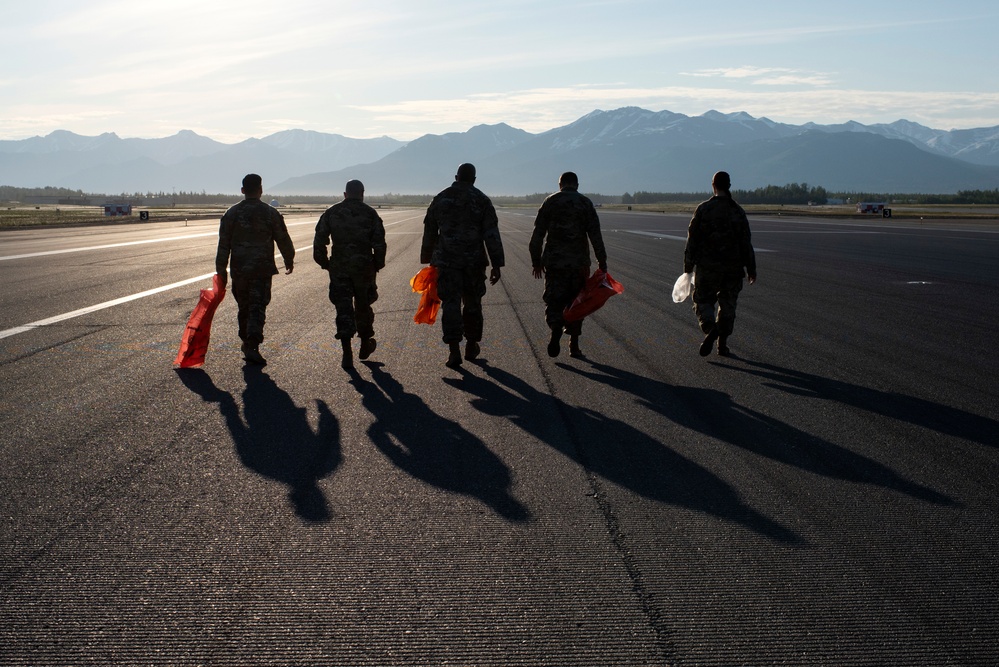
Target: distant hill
(623,150)
(633,149)
(185,161)
(422,166)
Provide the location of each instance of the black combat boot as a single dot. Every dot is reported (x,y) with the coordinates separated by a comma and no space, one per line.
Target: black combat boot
(252,354)
(348,354)
(574,350)
(553,345)
(723,350)
(471,350)
(368,346)
(454,358)
(709,341)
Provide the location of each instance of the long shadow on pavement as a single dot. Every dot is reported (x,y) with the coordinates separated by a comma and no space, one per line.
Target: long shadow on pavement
(919,412)
(615,451)
(276,440)
(434,449)
(715,414)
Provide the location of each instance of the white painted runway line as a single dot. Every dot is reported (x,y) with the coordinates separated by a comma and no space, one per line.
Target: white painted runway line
(105,247)
(659,235)
(108,304)
(100,306)
(124,244)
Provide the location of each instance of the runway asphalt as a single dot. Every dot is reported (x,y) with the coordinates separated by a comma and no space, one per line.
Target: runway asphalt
(826,496)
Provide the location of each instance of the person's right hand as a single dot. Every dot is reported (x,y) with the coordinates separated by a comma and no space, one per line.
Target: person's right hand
(223,278)
(538,272)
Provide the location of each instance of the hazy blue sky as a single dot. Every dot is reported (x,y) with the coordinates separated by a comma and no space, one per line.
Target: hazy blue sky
(232,69)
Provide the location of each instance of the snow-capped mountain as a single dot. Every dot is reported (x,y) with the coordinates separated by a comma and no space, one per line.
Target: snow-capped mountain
(622,150)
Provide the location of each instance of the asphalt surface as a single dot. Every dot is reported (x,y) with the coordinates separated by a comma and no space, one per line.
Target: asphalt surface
(827,496)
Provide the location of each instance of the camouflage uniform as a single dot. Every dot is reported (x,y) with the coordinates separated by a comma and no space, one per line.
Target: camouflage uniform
(357,254)
(568,219)
(247,235)
(719,246)
(459,229)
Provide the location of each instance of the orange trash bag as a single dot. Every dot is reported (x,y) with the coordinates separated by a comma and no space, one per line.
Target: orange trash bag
(425,282)
(194,343)
(598,288)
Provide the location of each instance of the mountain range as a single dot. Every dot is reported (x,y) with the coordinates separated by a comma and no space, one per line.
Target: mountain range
(624,150)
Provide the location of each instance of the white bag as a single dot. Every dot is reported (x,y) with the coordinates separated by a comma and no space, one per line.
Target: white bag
(683,287)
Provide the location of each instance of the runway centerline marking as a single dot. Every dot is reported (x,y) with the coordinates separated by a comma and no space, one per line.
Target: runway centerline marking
(676,238)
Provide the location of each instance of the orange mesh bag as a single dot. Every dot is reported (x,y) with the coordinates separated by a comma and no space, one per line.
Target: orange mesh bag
(194,343)
(598,288)
(425,282)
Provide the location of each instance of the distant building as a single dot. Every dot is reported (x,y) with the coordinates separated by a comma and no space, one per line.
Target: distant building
(873,208)
(114,210)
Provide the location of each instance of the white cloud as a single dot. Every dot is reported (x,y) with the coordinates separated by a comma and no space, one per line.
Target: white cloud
(541,109)
(235,68)
(769,76)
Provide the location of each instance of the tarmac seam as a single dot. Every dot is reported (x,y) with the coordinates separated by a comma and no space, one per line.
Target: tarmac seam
(654,617)
(91,329)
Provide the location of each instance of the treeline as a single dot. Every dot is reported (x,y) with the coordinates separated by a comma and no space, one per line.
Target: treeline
(10,193)
(792,194)
(963,197)
(181,198)
(642,197)
(802,194)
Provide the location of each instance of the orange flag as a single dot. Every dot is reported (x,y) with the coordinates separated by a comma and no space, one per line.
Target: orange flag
(194,343)
(425,282)
(598,288)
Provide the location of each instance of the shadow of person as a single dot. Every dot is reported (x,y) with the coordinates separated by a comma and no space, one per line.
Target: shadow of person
(201,383)
(916,411)
(273,437)
(434,449)
(715,414)
(615,451)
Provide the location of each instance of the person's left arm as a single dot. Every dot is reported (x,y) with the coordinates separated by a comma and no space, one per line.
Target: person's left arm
(431,230)
(284,243)
(378,245)
(537,243)
(691,249)
(596,238)
(746,250)
(494,244)
(319,243)
(224,249)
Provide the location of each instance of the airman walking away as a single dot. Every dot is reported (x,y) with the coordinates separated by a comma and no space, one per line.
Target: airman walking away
(247,235)
(357,253)
(460,231)
(565,227)
(719,247)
